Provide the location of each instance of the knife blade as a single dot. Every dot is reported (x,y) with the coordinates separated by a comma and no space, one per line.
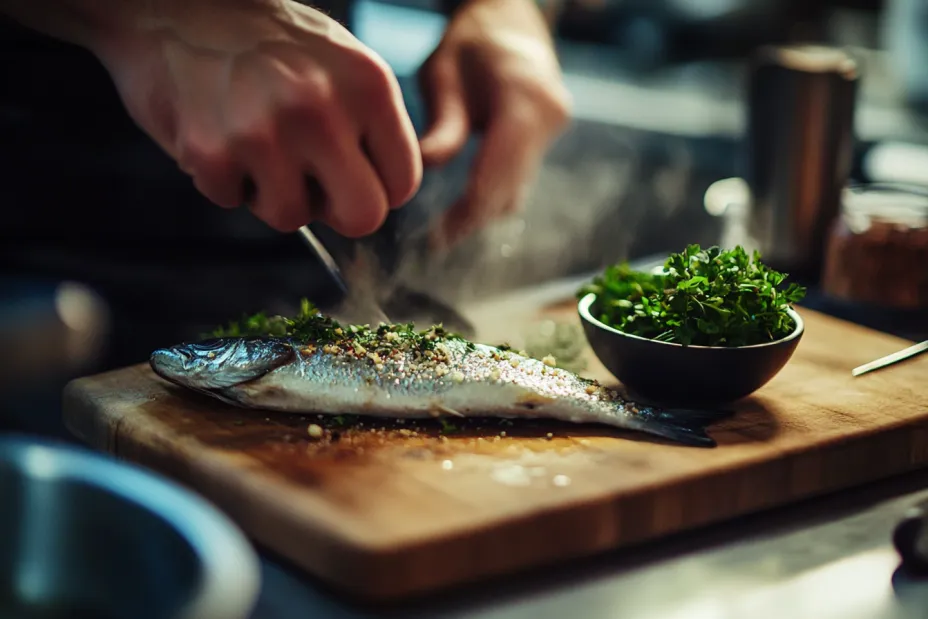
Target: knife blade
(323,254)
(357,304)
(906,353)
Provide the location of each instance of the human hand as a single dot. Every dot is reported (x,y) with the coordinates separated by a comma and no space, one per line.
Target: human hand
(268,91)
(494,71)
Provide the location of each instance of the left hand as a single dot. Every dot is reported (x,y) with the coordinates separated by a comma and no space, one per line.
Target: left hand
(494,71)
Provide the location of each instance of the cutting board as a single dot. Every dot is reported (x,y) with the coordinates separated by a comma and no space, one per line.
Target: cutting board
(389,510)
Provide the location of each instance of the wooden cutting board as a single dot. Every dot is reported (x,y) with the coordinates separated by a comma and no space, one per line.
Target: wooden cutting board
(399,511)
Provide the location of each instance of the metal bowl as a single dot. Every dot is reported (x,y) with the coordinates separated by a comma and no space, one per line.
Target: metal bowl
(86,536)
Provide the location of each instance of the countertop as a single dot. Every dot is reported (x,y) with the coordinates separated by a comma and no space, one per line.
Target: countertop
(823,559)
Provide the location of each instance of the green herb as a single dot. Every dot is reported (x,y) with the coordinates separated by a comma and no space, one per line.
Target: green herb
(313,327)
(705,297)
(446,426)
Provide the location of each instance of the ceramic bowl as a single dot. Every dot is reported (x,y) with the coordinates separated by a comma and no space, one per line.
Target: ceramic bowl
(690,376)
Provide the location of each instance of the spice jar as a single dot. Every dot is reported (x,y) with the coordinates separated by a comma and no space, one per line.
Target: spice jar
(877,249)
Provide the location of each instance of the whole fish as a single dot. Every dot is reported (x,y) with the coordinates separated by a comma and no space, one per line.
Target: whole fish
(397,376)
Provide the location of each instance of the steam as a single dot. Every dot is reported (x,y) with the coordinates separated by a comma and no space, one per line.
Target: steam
(554,236)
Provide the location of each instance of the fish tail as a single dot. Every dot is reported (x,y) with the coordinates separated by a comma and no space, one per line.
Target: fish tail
(684,426)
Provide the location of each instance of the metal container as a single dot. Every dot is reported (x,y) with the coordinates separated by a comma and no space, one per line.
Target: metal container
(800,140)
(85,536)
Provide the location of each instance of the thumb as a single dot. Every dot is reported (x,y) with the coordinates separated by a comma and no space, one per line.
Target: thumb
(447,112)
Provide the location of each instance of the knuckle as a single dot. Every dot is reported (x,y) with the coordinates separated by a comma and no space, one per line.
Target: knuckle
(376,81)
(196,154)
(312,97)
(254,135)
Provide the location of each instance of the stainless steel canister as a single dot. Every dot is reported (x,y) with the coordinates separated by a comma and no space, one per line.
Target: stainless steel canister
(800,140)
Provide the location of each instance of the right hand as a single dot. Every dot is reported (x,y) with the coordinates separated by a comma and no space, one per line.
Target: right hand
(270,91)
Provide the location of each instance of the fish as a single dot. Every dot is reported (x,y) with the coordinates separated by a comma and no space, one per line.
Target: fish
(399,376)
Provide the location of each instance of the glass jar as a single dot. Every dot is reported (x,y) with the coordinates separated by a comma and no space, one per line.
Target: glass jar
(877,250)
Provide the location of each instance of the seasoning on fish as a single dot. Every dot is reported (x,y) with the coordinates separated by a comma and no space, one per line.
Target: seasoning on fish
(394,371)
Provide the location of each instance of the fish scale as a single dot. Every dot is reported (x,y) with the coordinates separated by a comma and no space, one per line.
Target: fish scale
(465,380)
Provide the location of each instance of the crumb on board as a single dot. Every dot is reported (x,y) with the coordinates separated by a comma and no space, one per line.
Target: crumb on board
(315,430)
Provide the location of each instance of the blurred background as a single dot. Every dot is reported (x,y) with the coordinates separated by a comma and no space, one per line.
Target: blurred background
(659,91)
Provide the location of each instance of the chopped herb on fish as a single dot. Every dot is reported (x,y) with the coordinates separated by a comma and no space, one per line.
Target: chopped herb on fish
(393,371)
(315,328)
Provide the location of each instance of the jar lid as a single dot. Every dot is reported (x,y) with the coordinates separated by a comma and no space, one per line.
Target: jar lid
(898,205)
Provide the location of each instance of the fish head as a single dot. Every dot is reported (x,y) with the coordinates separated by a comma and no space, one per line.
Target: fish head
(220,363)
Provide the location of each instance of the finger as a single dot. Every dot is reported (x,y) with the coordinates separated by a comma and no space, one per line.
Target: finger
(501,175)
(323,136)
(202,153)
(357,203)
(215,174)
(280,198)
(390,145)
(446,108)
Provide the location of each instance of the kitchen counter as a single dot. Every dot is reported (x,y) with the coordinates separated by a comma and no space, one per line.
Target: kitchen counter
(829,558)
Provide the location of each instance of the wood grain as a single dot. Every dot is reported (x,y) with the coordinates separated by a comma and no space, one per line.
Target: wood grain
(390,512)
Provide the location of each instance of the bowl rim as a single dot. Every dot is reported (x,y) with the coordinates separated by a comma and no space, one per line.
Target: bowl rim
(229,565)
(586,302)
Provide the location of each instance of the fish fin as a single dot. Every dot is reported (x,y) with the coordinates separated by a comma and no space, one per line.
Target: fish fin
(687,427)
(693,416)
(448,411)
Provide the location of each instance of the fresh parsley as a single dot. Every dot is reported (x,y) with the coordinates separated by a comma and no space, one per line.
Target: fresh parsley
(705,297)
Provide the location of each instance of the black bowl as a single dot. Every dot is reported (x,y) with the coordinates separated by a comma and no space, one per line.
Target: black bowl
(691,376)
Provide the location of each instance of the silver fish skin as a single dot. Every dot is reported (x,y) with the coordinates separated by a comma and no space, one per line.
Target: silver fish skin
(469,381)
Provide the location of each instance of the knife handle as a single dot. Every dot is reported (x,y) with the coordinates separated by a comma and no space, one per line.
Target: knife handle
(910,538)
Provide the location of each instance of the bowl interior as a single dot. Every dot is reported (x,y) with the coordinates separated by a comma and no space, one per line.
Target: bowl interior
(82,536)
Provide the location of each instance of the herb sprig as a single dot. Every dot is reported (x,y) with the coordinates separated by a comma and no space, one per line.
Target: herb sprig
(705,297)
